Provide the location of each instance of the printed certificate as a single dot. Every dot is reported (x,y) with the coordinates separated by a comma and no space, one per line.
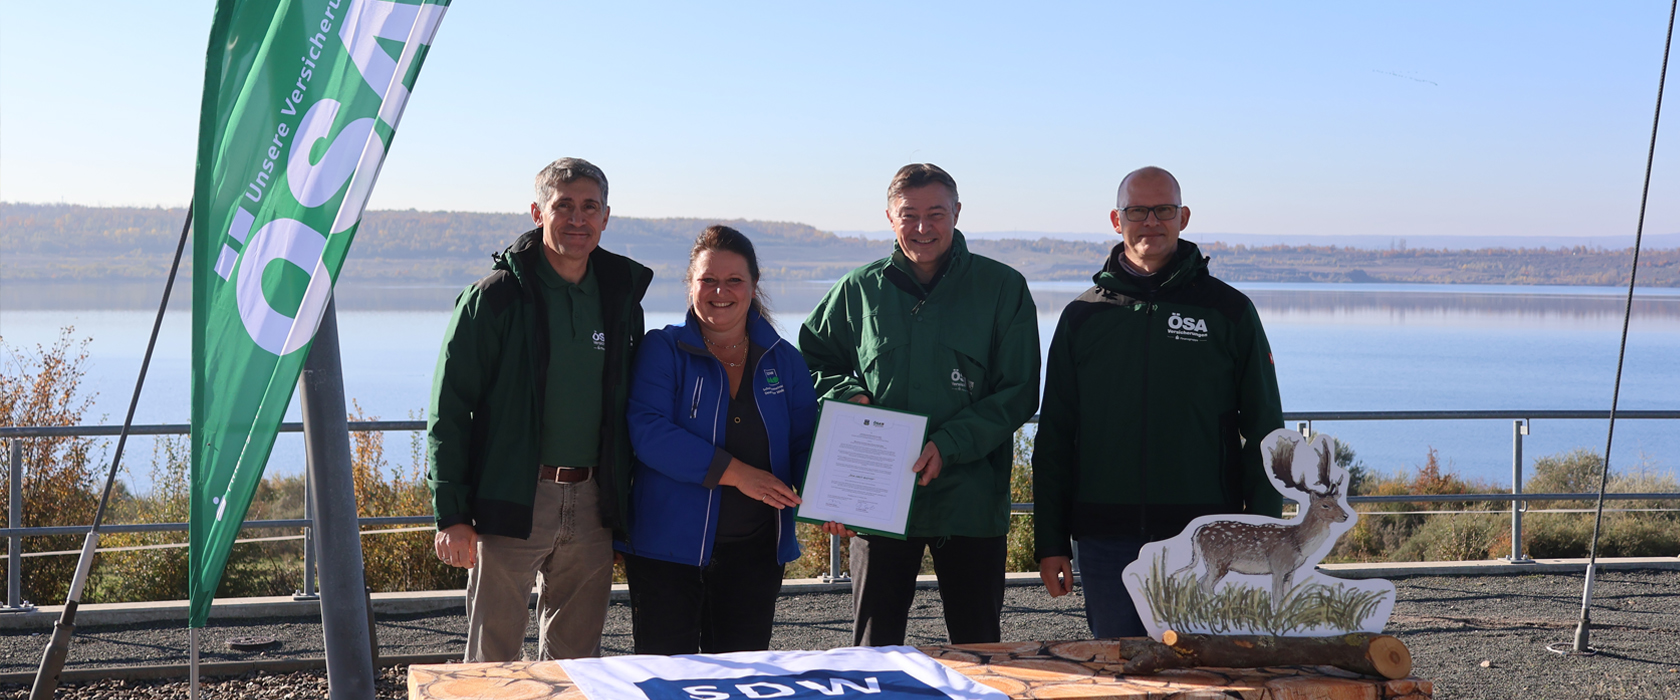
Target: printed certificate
(860,467)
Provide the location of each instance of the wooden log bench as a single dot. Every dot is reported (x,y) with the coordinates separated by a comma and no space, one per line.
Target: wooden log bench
(1075,669)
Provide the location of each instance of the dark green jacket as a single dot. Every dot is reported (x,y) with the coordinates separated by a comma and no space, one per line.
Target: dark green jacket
(965,353)
(1149,397)
(484,426)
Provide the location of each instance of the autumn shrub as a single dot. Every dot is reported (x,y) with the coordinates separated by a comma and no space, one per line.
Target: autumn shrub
(813,557)
(43,387)
(396,557)
(1406,531)
(1630,529)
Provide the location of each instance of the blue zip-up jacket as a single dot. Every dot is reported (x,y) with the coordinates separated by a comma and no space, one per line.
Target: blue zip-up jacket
(679,402)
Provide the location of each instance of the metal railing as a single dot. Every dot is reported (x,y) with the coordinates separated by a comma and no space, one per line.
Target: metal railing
(1522,420)
(14,532)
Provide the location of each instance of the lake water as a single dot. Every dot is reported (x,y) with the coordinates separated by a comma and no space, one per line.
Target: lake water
(1337,347)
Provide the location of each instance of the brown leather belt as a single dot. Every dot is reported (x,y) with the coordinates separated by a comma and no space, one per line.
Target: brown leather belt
(564,475)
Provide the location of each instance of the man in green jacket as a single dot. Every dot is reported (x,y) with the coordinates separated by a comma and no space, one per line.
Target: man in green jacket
(936,330)
(529,451)
(1158,389)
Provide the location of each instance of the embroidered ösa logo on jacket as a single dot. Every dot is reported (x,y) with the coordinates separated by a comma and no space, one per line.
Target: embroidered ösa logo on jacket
(1182,327)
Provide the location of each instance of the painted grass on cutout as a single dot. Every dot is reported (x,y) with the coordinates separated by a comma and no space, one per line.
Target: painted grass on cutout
(1178,603)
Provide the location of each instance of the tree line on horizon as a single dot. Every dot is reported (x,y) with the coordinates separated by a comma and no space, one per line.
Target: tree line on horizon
(71,243)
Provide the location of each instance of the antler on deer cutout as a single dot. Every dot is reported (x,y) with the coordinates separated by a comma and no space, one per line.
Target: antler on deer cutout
(1277,549)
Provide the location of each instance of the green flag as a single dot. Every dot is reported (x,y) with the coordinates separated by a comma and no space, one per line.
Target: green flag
(301,98)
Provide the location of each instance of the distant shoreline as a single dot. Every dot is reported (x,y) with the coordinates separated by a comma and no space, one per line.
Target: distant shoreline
(47,243)
(797,296)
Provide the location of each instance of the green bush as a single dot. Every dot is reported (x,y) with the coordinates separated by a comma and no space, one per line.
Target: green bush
(160,571)
(1358,474)
(1454,538)
(1625,534)
(1019,541)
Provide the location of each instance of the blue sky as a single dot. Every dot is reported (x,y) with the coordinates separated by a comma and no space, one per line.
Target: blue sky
(1379,118)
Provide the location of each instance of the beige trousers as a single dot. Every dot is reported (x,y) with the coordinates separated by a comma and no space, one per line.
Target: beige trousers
(569,557)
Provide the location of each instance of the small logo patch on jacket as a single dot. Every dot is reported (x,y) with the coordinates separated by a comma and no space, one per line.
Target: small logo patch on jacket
(1182,327)
(960,382)
(600,340)
(773,384)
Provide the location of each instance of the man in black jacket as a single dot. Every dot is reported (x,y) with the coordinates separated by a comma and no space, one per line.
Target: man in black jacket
(1158,390)
(529,449)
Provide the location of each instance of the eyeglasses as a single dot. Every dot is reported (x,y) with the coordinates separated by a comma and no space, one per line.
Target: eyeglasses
(1163,212)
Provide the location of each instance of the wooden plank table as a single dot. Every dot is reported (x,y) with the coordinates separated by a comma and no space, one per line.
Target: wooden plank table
(1078,669)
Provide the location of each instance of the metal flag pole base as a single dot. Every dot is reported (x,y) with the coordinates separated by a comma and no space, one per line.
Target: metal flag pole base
(192,663)
(1568,648)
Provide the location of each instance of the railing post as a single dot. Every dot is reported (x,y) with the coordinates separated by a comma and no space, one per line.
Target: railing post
(308,590)
(1519,428)
(834,561)
(14,519)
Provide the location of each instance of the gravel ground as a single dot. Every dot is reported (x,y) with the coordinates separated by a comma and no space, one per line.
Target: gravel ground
(1476,637)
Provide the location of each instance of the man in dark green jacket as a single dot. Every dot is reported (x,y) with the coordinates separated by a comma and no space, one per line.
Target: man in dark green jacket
(1158,389)
(529,451)
(936,330)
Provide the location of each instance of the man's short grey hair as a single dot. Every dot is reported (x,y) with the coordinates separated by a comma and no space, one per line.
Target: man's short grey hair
(1151,171)
(917,175)
(568,170)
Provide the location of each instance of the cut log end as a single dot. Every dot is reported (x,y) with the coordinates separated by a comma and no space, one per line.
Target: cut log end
(1390,657)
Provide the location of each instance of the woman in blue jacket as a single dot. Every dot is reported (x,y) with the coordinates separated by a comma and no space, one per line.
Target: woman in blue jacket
(721,415)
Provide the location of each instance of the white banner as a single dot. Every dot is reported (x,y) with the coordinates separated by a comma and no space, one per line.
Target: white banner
(857,673)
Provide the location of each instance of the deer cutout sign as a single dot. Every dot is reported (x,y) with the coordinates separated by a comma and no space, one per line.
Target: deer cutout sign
(1252,574)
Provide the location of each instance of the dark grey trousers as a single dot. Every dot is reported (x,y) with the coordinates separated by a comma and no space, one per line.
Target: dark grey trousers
(884,569)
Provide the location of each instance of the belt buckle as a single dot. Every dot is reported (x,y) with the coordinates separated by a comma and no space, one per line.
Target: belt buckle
(567,471)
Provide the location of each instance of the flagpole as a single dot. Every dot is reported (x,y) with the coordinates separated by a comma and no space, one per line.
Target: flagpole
(1583,628)
(52,659)
(338,537)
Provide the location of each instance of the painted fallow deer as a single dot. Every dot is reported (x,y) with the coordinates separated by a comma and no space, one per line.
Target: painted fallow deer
(1271,548)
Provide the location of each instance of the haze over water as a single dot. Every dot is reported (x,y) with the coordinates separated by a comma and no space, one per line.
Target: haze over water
(1337,347)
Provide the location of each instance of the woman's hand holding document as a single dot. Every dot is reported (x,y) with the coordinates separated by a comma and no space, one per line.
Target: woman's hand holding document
(861,472)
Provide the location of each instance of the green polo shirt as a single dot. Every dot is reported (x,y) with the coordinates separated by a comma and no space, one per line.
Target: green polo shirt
(577,350)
